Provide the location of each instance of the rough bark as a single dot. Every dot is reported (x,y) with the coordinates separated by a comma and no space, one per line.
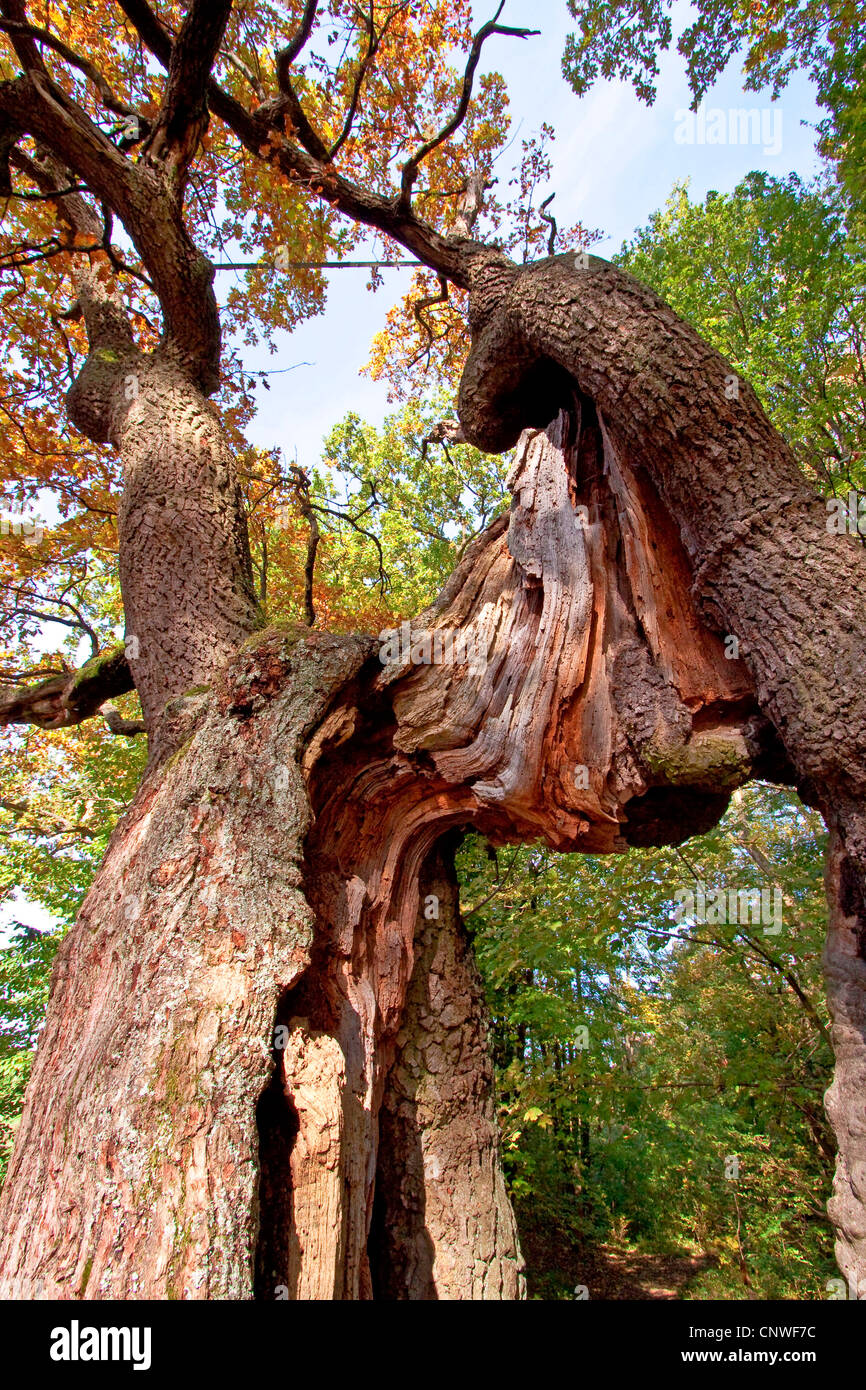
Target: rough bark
(136,1169)
(765,567)
(443,1227)
(184,558)
(845,973)
(269,876)
(185,568)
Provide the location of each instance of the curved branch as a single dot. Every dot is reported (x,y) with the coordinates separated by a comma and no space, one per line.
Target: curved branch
(25,48)
(75,60)
(427,303)
(412,165)
(551,222)
(104,314)
(183,117)
(286,56)
(453,256)
(147,204)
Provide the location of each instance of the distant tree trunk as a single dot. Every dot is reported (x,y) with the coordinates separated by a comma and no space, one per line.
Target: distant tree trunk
(263,1071)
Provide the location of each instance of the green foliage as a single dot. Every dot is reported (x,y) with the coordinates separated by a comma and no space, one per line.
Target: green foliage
(623,39)
(61,793)
(433,499)
(395,513)
(25,964)
(698,1047)
(773,276)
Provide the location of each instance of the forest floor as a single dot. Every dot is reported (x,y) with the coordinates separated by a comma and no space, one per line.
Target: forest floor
(611,1272)
(557,1268)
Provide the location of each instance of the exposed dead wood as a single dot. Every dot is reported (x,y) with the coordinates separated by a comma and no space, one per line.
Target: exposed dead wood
(594,711)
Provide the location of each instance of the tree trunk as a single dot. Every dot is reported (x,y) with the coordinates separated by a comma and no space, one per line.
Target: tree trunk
(442,1221)
(255,1026)
(185,568)
(845,973)
(136,1170)
(604,714)
(765,569)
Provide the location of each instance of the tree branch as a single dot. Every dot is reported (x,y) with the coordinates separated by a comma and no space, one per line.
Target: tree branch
(427,303)
(302,489)
(286,56)
(471,203)
(551,222)
(118,725)
(453,256)
(26,51)
(69,698)
(412,165)
(104,314)
(183,117)
(373,46)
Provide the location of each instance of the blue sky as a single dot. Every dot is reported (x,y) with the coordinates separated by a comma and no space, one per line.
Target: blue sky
(615,161)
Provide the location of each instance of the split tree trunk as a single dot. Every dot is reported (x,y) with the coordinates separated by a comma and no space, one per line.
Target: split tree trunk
(262,1069)
(600,661)
(442,1220)
(765,569)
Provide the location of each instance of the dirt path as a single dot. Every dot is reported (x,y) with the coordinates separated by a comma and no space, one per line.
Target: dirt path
(612,1272)
(557,1266)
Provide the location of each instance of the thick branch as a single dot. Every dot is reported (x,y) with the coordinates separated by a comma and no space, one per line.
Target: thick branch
(183,117)
(106,320)
(70,698)
(26,51)
(118,725)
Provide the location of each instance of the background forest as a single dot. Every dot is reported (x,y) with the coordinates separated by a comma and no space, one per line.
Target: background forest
(660,1081)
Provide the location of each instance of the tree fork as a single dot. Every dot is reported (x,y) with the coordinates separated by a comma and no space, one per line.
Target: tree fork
(270,872)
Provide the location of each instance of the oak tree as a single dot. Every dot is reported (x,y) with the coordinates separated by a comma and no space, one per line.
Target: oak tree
(263,1070)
